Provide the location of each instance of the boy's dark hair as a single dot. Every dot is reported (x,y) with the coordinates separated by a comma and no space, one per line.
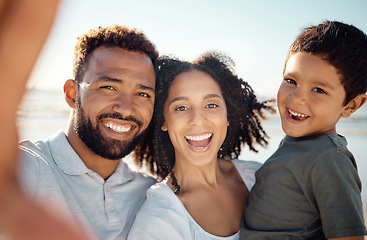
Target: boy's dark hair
(110,36)
(341,45)
(243,109)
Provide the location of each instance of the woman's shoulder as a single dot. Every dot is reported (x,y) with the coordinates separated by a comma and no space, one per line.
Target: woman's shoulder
(154,219)
(160,190)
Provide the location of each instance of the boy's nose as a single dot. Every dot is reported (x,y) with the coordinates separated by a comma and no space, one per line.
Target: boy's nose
(298,95)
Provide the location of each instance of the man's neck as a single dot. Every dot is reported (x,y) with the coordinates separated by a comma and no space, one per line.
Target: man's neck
(103,166)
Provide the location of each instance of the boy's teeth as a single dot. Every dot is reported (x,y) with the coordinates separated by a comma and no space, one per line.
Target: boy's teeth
(116,128)
(199,138)
(297,114)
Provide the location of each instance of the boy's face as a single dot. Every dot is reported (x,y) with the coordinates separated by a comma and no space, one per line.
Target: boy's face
(310,98)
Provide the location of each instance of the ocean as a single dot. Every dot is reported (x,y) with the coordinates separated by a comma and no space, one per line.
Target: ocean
(43,112)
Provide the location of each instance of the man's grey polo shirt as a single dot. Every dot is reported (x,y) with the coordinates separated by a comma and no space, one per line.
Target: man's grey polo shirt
(52,172)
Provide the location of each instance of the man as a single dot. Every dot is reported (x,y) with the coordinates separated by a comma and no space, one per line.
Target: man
(112,100)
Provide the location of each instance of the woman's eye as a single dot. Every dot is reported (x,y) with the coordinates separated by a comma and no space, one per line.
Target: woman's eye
(318,90)
(212,105)
(181,108)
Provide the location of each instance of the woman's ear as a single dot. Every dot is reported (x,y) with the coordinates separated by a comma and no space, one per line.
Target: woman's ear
(70,92)
(354,105)
(164,127)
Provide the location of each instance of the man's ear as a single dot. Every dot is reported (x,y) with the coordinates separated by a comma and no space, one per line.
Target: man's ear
(354,105)
(70,92)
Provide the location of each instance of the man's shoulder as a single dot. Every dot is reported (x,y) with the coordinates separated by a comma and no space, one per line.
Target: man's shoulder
(40,149)
(30,149)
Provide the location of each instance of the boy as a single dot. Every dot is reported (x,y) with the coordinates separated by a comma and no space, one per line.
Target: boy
(309,188)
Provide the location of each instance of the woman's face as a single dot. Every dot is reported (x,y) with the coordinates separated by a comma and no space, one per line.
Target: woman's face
(196,118)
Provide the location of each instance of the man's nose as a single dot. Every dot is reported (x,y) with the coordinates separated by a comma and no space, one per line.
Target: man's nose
(124,104)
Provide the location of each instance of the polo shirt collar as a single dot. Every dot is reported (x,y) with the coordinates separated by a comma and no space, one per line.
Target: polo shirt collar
(65,156)
(70,162)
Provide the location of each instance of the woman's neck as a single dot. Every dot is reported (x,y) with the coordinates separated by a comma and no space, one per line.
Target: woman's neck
(190,177)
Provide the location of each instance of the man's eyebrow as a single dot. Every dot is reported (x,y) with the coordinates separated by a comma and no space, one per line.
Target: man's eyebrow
(111,79)
(108,79)
(144,87)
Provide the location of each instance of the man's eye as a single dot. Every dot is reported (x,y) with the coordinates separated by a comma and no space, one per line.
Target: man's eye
(143,94)
(107,87)
(181,108)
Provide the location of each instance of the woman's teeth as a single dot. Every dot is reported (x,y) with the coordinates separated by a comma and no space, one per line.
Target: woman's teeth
(199,138)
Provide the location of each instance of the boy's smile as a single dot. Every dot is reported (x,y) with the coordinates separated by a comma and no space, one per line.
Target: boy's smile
(310,98)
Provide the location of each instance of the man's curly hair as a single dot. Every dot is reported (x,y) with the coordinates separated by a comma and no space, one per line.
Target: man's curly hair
(110,36)
(243,109)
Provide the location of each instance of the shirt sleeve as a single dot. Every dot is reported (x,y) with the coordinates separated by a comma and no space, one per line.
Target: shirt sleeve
(247,170)
(29,169)
(337,193)
(160,218)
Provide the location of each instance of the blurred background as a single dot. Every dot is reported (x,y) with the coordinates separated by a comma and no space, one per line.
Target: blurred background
(255,34)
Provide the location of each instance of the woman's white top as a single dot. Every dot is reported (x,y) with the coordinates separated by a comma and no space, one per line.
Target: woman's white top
(163,216)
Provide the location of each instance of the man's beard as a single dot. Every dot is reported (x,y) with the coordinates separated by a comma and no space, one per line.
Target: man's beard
(105,147)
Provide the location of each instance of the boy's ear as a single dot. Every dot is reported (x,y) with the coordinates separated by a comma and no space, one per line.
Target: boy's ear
(70,92)
(354,105)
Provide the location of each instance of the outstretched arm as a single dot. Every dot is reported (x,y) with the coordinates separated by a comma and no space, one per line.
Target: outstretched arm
(24,27)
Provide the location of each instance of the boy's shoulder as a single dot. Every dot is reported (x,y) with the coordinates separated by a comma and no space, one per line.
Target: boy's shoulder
(309,149)
(321,143)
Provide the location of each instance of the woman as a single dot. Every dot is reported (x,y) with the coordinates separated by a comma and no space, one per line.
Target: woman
(203,115)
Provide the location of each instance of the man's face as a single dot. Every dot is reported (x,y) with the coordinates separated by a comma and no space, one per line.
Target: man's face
(115,101)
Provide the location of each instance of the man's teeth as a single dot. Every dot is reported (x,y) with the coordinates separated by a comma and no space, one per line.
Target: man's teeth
(297,114)
(199,138)
(116,128)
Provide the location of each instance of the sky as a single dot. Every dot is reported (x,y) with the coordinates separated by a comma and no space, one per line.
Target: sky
(255,34)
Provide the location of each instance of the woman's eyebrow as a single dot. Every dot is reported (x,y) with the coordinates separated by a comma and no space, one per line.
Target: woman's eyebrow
(212,95)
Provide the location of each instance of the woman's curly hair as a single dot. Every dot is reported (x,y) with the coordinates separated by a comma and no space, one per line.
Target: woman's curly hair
(243,109)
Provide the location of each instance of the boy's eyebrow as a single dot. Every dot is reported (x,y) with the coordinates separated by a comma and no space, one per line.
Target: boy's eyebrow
(315,81)
(323,84)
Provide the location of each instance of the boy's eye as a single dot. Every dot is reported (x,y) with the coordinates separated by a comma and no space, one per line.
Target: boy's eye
(291,81)
(181,108)
(318,90)
(212,105)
